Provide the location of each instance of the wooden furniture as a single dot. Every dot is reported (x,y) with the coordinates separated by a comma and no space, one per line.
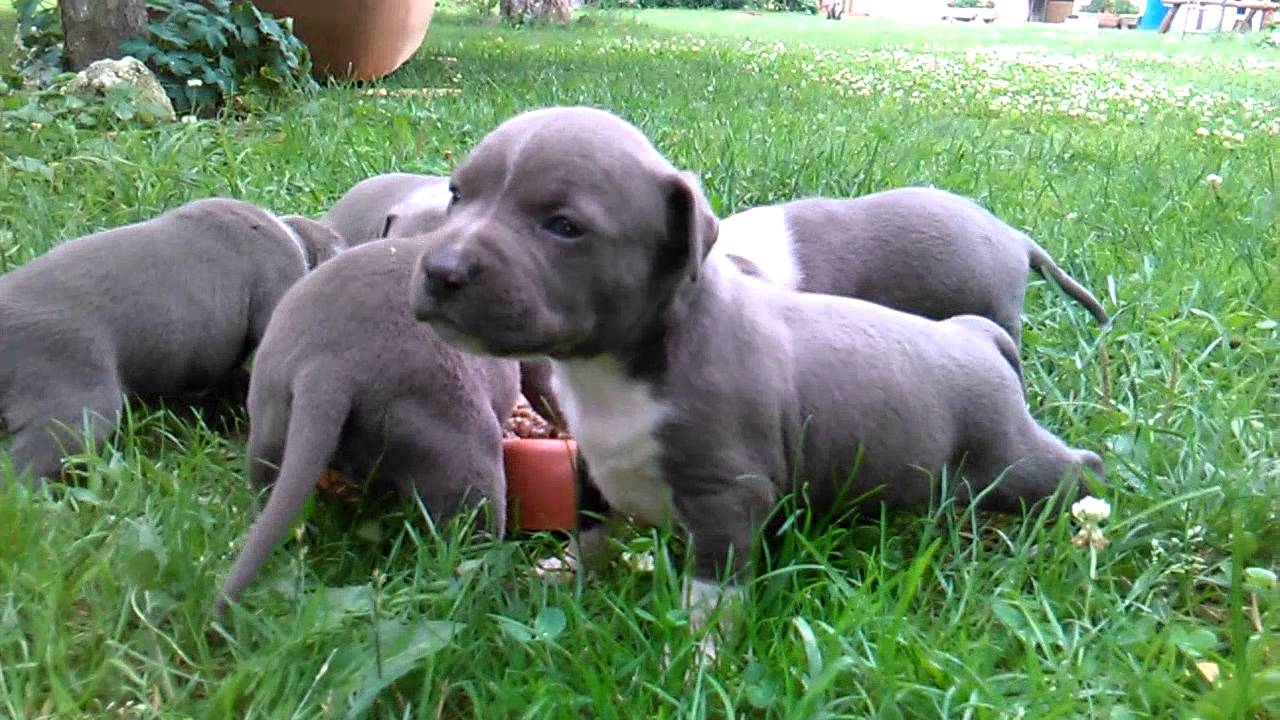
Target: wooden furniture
(1266,7)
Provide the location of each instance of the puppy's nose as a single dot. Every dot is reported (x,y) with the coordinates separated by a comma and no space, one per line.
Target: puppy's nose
(447,271)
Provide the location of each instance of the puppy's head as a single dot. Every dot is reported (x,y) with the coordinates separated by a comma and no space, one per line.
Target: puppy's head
(566,235)
(419,214)
(318,240)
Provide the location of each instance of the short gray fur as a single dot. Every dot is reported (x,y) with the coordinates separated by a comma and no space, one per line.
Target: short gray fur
(346,379)
(167,307)
(756,390)
(917,249)
(384,202)
(409,205)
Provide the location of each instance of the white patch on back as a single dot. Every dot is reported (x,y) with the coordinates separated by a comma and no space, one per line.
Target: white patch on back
(435,195)
(297,240)
(614,420)
(761,235)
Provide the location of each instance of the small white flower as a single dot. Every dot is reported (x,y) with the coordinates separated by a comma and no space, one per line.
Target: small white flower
(639,562)
(1202,132)
(1091,510)
(195,82)
(1213,180)
(189,119)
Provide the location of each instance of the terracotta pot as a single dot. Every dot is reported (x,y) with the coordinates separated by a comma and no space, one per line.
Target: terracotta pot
(1056,11)
(540,493)
(356,39)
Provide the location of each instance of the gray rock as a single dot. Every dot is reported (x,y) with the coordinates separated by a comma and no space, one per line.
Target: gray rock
(106,76)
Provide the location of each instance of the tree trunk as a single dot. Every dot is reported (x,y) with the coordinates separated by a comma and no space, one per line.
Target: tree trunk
(94,29)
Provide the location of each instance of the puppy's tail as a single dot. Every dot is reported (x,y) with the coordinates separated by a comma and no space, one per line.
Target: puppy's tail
(1042,263)
(315,425)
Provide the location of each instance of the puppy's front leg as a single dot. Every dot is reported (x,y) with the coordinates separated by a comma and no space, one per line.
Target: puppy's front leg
(721,526)
(590,549)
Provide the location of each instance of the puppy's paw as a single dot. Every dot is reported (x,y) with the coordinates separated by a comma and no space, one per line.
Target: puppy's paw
(705,651)
(556,570)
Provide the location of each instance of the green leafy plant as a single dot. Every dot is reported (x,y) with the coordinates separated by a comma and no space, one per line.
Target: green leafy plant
(38,41)
(481,8)
(54,105)
(1113,7)
(971,4)
(206,53)
(800,6)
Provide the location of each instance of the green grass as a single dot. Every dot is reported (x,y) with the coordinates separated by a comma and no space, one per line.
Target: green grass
(104,588)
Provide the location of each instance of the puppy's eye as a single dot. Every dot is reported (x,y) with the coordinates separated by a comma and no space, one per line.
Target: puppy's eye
(561,226)
(454,196)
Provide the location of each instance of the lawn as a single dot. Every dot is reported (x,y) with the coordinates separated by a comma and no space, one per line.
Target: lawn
(1159,194)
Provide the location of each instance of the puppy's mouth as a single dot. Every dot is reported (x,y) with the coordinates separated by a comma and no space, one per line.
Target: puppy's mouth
(449,331)
(460,335)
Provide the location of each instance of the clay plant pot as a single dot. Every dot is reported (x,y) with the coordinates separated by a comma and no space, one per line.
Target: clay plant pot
(356,39)
(1056,11)
(540,492)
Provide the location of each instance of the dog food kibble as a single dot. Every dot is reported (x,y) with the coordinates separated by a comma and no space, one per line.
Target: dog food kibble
(525,423)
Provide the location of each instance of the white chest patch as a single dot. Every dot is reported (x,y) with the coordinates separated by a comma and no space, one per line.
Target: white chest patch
(615,421)
(761,236)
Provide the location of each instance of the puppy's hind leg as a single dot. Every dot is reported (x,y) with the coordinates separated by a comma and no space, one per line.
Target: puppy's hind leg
(268,426)
(450,468)
(44,432)
(1030,465)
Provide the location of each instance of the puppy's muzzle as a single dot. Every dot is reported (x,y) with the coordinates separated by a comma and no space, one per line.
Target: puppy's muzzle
(443,274)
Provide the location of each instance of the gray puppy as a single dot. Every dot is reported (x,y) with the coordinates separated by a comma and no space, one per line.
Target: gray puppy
(346,379)
(701,395)
(166,307)
(916,249)
(407,205)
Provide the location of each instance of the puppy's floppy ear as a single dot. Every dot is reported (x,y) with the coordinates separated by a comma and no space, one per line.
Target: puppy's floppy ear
(321,241)
(692,227)
(413,217)
(386,224)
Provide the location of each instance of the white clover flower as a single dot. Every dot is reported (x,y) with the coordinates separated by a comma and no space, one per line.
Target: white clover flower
(1091,510)
(639,562)
(1202,132)
(195,82)
(1213,180)
(189,119)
